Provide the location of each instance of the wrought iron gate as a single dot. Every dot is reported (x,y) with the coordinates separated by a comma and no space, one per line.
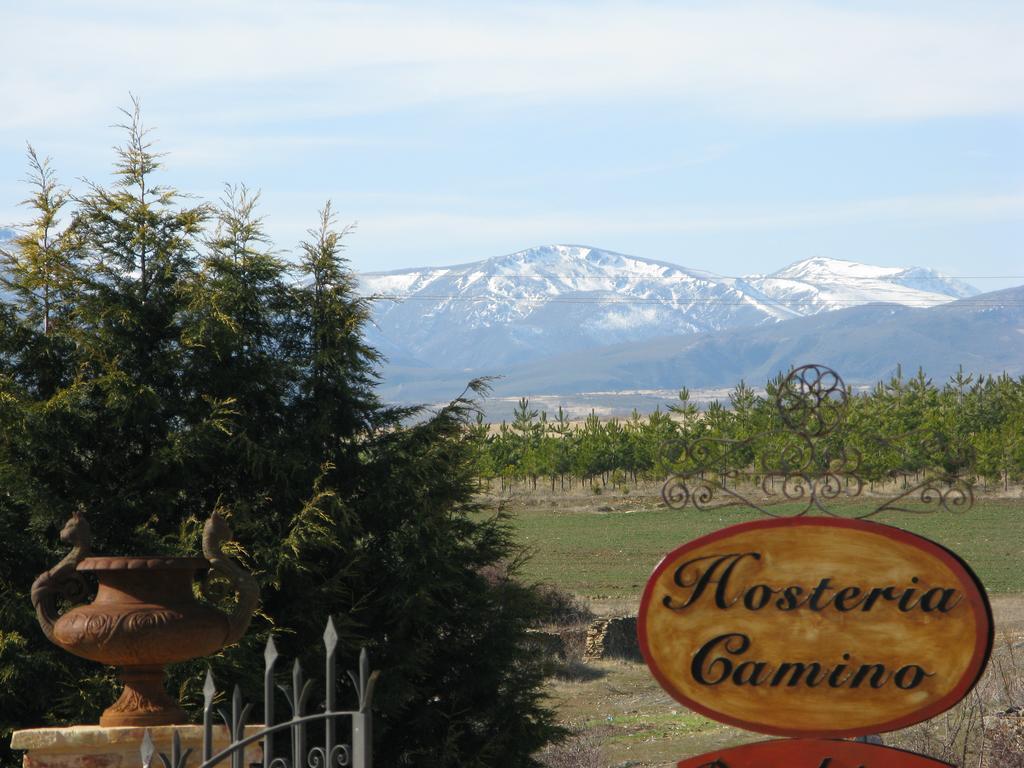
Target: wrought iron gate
(356,752)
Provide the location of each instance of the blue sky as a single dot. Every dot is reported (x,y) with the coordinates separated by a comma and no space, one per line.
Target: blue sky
(735,137)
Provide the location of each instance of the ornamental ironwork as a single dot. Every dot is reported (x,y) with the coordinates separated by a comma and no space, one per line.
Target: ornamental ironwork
(291,735)
(803,460)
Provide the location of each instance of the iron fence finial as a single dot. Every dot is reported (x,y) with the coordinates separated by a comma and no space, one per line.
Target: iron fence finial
(330,636)
(147,749)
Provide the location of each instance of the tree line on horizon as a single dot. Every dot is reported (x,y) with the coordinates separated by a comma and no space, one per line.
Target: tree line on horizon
(971,426)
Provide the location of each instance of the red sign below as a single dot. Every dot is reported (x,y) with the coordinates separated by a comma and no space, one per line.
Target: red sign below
(811,753)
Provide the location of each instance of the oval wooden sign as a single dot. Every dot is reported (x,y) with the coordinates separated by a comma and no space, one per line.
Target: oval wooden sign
(815,627)
(811,753)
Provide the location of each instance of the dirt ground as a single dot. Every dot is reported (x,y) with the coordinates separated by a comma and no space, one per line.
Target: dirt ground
(1008,612)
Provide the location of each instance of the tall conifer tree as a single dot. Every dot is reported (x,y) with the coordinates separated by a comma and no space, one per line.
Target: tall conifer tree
(195,369)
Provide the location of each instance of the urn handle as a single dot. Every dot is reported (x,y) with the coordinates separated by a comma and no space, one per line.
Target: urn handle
(216,533)
(62,580)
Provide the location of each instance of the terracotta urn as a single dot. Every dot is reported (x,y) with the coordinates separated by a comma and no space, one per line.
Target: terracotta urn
(145,615)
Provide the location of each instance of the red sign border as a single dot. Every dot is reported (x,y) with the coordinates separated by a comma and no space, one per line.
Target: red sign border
(787,749)
(978,600)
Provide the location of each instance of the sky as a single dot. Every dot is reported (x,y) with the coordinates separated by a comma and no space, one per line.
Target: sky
(735,137)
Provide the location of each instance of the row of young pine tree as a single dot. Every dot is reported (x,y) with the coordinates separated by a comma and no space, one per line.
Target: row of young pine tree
(970,426)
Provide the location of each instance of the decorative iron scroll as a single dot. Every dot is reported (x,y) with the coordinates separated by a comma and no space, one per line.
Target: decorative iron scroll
(802,463)
(334,752)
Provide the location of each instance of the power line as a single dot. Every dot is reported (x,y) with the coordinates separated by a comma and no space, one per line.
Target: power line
(895,290)
(638,300)
(680,275)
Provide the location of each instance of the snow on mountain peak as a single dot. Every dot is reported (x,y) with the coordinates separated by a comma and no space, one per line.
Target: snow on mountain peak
(821,284)
(821,268)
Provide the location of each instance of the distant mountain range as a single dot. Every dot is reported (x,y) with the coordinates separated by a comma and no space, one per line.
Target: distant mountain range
(579,324)
(865,344)
(569,319)
(560,299)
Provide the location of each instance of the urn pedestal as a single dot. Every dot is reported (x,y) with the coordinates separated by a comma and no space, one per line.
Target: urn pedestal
(92,746)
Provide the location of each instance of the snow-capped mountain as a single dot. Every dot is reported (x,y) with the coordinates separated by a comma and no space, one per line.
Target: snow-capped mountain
(549,300)
(564,298)
(818,284)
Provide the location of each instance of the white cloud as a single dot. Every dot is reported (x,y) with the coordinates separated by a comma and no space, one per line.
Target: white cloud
(258,60)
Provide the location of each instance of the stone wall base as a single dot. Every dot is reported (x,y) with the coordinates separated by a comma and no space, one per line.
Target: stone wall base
(93,746)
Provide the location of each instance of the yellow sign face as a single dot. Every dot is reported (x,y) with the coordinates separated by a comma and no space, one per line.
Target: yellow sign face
(815,627)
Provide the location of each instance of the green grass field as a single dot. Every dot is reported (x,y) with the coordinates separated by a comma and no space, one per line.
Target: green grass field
(610,553)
